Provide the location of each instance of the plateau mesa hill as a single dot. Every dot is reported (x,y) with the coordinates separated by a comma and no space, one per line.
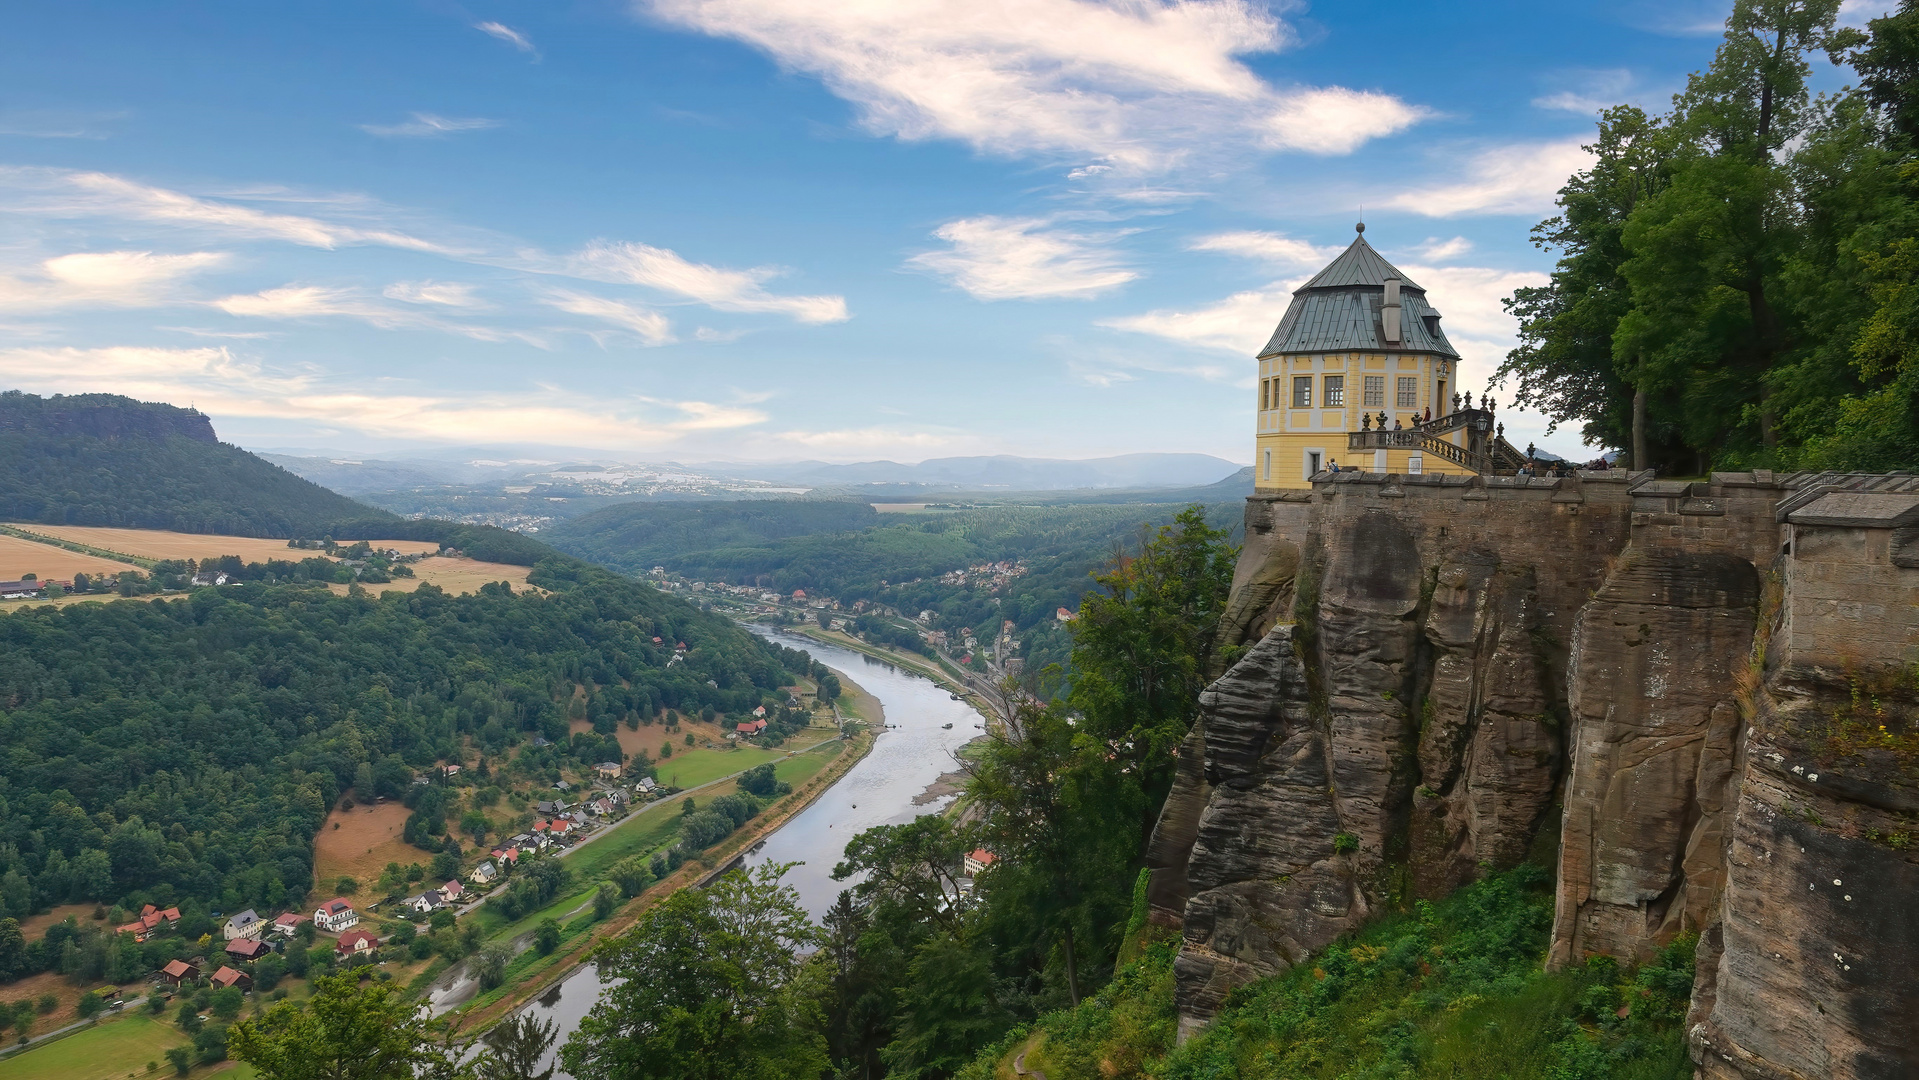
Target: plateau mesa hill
(108,460)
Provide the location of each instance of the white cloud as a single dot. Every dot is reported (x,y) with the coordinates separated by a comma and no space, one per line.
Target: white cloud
(716,287)
(1441,250)
(227,386)
(1239,324)
(56,123)
(429,125)
(1142,84)
(507,34)
(1588,92)
(445,293)
(321,301)
(996,258)
(1519,179)
(652,327)
(105,279)
(1468,298)
(64,194)
(1277,249)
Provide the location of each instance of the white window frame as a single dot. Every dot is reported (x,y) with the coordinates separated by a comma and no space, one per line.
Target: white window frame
(1415,463)
(1305,383)
(1400,392)
(1332,392)
(1371,398)
(1269,464)
(1306,461)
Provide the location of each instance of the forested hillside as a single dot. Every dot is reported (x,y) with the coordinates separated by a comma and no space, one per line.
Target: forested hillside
(187,751)
(102,459)
(1736,276)
(846,551)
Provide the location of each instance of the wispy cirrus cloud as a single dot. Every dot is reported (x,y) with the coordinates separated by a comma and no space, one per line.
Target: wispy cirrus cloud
(1273,248)
(456,294)
(1587,92)
(429,125)
(104,279)
(507,34)
(233,385)
(308,302)
(652,327)
(1001,258)
(1517,179)
(61,193)
(719,288)
(1142,86)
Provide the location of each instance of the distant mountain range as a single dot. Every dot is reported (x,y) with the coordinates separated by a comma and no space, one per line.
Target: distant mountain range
(363,475)
(998,471)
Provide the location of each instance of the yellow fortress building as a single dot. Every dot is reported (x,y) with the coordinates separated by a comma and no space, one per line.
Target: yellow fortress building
(1359,375)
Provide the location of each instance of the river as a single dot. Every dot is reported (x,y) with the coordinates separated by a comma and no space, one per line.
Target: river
(917,747)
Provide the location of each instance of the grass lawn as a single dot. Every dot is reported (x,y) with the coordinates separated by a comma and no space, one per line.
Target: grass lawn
(800,768)
(108,1051)
(692,768)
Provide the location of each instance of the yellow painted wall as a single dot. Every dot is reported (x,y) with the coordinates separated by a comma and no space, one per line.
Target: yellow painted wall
(1280,448)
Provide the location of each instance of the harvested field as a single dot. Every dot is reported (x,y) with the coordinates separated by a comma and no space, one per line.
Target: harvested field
(155,544)
(18,557)
(453,575)
(368,837)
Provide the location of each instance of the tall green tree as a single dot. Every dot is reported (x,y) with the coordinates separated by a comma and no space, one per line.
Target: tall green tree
(708,990)
(345,1031)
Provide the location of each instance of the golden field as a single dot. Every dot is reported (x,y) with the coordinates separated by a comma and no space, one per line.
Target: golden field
(156,544)
(49,563)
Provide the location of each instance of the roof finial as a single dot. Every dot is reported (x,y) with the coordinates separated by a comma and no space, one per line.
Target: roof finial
(1360,228)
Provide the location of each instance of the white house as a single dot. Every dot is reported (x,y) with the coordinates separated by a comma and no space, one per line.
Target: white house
(247,924)
(335,915)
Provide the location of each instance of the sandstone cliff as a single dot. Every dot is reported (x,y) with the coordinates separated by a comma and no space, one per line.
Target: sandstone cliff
(1696,673)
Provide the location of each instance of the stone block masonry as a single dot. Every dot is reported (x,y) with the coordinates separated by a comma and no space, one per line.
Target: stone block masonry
(1713,680)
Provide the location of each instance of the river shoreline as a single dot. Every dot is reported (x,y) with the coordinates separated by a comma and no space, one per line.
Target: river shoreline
(689,875)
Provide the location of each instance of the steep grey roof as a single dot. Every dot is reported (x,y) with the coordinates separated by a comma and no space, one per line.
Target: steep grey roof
(1339,310)
(1359,264)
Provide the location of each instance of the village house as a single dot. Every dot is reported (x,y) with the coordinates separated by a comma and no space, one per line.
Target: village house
(178,971)
(356,943)
(486,873)
(977,860)
(427,902)
(288,922)
(335,915)
(609,769)
(209,577)
(247,949)
(751,727)
(647,785)
(16,590)
(453,891)
(227,976)
(246,924)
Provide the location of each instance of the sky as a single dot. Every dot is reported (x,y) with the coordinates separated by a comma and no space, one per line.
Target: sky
(773,229)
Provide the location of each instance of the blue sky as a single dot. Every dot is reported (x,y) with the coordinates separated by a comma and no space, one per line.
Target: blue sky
(771,229)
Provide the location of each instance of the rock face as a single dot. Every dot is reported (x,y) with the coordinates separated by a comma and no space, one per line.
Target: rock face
(1714,682)
(1653,662)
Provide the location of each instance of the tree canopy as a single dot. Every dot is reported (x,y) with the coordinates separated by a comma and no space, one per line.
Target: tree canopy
(1735,284)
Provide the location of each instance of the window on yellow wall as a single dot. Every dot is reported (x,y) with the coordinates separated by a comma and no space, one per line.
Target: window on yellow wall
(1335,396)
(1375,392)
(1408,392)
(1303,392)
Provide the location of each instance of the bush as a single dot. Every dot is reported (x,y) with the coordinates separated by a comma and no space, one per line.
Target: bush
(547,937)
(90,1005)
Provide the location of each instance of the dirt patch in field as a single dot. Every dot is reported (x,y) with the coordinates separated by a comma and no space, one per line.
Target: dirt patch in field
(368,837)
(34,926)
(19,557)
(47,982)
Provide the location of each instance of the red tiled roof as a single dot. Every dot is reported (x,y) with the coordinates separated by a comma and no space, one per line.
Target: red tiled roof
(352,939)
(226,976)
(177,969)
(135,927)
(983,857)
(289,918)
(247,948)
(336,905)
